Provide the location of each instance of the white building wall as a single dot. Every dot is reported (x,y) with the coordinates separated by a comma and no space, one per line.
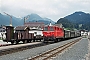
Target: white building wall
(36,32)
(4,36)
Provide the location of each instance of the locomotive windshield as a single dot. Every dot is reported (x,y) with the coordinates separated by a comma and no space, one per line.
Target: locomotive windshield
(51,29)
(45,28)
(48,28)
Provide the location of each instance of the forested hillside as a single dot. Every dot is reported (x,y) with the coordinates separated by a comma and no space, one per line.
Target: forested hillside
(78,20)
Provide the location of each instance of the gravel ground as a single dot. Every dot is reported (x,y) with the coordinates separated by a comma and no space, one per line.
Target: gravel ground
(77,52)
(22,55)
(89,51)
(88,55)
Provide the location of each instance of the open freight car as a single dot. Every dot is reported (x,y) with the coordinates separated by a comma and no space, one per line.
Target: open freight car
(21,33)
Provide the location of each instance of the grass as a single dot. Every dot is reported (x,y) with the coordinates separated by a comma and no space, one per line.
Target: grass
(0,38)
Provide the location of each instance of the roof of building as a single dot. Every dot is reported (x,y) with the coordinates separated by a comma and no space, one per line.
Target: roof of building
(34,24)
(21,27)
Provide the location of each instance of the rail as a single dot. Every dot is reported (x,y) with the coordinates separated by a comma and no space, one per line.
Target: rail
(53,52)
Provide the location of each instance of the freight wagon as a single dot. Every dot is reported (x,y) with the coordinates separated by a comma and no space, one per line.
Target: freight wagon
(21,33)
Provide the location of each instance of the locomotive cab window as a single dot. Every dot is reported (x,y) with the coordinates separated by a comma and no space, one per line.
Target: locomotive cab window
(51,29)
(55,28)
(58,29)
(45,28)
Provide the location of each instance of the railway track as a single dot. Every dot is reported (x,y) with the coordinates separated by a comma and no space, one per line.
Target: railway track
(20,48)
(53,52)
(1,45)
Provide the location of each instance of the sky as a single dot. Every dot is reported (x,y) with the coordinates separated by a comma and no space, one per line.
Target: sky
(52,9)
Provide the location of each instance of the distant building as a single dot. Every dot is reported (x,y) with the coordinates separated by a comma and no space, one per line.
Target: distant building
(35,25)
(84,32)
(89,34)
(2,33)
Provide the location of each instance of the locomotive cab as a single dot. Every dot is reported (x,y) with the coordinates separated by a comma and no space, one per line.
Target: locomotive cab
(48,33)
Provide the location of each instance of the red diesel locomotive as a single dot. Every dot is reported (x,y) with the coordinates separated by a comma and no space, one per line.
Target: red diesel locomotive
(55,33)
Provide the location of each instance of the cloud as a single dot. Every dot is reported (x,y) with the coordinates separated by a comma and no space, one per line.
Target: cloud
(53,9)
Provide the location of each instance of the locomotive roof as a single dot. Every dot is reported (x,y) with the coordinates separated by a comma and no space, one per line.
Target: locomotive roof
(52,26)
(57,25)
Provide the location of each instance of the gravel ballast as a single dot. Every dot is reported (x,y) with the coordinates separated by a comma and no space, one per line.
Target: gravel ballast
(22,55)
(77,52)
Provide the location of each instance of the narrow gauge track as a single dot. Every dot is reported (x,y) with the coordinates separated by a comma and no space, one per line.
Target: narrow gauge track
(53,52)
(21,48)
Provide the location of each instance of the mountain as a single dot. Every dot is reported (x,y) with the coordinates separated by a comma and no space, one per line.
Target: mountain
(5,20)
(79,17)
(65,22)
(80,20)
(35,17)
(47,19)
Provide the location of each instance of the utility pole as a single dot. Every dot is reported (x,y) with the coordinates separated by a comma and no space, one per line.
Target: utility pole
(26,18)
(10,18)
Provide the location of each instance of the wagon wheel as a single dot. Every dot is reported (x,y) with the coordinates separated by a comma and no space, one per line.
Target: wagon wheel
(25,41)
(28,41)
(14,42)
